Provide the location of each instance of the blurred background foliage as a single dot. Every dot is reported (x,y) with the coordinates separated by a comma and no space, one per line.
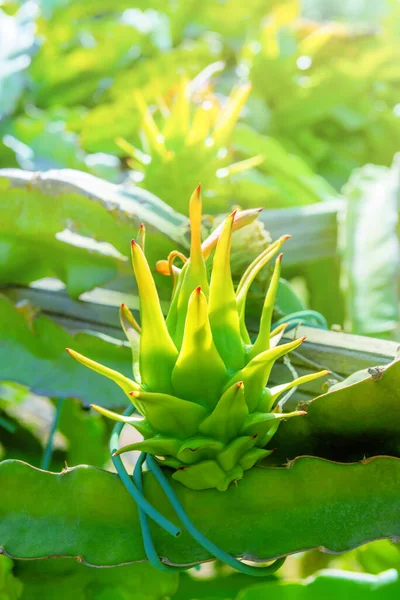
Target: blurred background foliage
(272,103)
(266,103)
(326,91)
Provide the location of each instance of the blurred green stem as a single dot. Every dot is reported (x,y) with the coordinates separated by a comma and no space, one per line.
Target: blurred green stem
(48,451)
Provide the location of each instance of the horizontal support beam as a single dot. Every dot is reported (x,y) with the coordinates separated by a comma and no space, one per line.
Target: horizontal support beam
(341,353)
(313,229)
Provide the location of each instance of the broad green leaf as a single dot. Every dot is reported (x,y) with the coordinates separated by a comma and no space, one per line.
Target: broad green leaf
(289,171)
(33,353)
(371,250)
(86,434)
(35,243)
(287,301)
(17,33)
(313,504)
(92,216)
(65,579)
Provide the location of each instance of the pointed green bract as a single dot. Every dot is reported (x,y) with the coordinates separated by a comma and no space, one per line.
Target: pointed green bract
(277,390)
(194,273)
(250,274)
(199,448)
(262,342)
(157,350)
(253,456)
(199,366)
(256,373)
(160,446)
(202,476)
(228,416)
(200,384)
(233,452)
(170,415)
(223,312)
(260,423)
(141,237)
(127,385)
(116,416)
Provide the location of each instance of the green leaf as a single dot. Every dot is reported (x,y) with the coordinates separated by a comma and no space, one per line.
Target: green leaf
(95,218)
(10,586)
(33,353)
(86,434)
(313,504)
(330,585)
(18,35)
(287,301)
(65,579)
(371,250)
(35,243)
(290,172)
(359,418)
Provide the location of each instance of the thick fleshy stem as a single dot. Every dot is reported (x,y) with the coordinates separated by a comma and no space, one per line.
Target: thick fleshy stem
(48,451)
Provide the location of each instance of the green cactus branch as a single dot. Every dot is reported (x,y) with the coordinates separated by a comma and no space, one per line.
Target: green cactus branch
(272,512)
(359,417)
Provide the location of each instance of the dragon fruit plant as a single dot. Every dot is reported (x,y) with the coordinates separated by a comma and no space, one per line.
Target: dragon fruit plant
(199,381)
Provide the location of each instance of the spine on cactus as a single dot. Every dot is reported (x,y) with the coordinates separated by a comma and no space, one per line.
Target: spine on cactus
(199,383)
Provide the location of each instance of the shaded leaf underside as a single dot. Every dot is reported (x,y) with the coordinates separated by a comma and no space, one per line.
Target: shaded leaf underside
(362,419)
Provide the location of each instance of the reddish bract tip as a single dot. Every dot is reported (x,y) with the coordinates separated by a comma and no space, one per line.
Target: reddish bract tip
(133,243)
(123,305)
(286,237)
(134,393)
(198,289)
(198,189)
(142,227)
(68,350)
(280,257)
(303,338)
(233,214)
(301,412)
(240,384)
